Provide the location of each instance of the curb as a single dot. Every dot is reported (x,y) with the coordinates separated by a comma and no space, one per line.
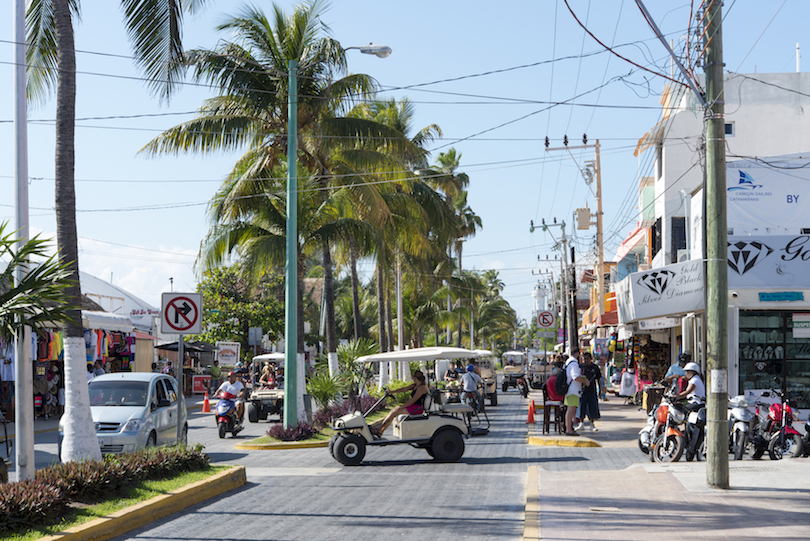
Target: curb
(279,446)
(531,511)
(563,441)
(128,519)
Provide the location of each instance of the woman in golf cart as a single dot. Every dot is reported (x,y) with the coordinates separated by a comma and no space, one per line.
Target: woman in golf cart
(415,405)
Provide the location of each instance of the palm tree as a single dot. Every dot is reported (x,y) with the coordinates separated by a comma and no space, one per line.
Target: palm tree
(154,27)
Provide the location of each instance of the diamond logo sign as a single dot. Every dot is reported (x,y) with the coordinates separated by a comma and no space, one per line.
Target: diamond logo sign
(743,255)
(656,281)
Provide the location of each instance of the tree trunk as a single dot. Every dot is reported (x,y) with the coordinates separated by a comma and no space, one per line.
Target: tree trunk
(329,295)
(358,323)
(389,318)
(381,307)
(80,442)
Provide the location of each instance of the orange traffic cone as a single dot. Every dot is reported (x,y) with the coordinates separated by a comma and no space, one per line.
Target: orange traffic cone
(206,404)
(530,420)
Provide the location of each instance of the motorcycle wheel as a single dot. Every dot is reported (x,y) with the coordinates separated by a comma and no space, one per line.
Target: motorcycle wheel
(791,445)
(504,386)
(668,449)
(223,429)
(740,443)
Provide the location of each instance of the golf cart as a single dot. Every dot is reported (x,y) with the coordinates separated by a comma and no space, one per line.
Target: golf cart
(514,368)
(539,371)
(262,401)
(440,430)
(486,365)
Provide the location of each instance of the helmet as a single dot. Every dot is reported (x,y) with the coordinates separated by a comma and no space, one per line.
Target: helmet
(684,357)
(231,374)
(239,363)
(692,367)
(470,368)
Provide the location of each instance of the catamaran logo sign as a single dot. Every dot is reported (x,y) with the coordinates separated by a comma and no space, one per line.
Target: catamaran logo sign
(743,256)
(747,189)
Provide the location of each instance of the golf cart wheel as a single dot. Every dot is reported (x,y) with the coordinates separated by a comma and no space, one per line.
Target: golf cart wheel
(350,449)
(493,399)
(253,413)
(447,445)
(504,386)
(223,429)
(332,441)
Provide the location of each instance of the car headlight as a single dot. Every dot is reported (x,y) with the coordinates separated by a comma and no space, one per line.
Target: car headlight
(133,425)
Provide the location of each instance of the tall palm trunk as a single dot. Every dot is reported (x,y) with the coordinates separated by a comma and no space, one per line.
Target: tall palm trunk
(381,307)
(329,295)
(389,318)
(80,442)
(358,325)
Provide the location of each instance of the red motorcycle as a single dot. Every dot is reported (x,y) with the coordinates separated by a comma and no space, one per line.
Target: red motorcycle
(774,431)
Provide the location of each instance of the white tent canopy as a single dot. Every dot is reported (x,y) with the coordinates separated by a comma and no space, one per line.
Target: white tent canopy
(105,321)
(513,354)
(269,357)
(419,354)
(484,353)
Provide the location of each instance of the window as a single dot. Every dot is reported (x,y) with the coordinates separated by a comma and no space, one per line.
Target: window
(678,236)
(656,237)
(172,391)
(730,129)
(159,393)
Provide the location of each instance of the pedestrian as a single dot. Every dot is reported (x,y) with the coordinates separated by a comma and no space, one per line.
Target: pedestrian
(676,373)
(168,368)
(216,375)
(551,382)
(155,368)
(590,394)
(98,370)
(575,382)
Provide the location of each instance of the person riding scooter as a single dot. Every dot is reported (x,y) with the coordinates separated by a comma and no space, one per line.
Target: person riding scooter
(695,392)
(470,383)
(235,388)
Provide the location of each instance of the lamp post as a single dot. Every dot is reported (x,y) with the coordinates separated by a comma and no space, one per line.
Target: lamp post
(293,385)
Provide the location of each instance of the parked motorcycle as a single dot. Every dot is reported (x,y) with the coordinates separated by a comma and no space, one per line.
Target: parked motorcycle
(806,439)
(774,431)
(696,435)
(650,433)
(522,387)
(227,419)
(670,445)
(740,421)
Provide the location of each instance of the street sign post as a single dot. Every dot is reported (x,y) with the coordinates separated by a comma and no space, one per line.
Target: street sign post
(546,334)
(181,313)
(545,319)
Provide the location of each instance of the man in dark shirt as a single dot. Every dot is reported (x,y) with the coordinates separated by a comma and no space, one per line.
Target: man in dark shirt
(451,376)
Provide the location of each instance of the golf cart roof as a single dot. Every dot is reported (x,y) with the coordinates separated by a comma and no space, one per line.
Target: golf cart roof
(483,353)
(419,354)
(269,357)
(513,354)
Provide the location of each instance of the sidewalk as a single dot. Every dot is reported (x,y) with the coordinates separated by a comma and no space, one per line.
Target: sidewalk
(767,499)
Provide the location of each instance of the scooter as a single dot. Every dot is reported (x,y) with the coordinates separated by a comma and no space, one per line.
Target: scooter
(669,446)
(522,387)
(650,433)
(696,435)
(227,419)
(740,421)
(774,431)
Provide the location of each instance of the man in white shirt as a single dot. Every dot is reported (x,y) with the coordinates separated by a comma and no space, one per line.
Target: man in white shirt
(470,382)
(575,381)
(235,388)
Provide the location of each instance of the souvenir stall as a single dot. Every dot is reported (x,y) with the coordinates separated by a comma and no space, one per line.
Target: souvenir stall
(108,338)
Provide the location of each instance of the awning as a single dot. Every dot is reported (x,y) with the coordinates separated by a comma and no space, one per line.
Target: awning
(636,236)
(106,321)
(144,336)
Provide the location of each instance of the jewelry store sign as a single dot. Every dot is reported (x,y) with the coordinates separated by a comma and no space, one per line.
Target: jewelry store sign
(666,291)
(801,325)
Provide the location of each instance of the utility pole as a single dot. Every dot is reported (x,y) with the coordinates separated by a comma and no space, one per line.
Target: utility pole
(573,338)
(716,256)
(564,284)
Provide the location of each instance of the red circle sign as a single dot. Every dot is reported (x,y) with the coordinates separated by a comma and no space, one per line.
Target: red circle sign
(545,319)
(181,314)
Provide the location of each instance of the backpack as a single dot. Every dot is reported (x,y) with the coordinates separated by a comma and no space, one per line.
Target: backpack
(561,383)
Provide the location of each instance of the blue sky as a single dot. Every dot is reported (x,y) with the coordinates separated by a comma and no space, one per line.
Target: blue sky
(506,71)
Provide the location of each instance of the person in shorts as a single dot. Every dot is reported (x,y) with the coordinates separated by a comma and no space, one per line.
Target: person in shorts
(572,371)
(414,406)
(235,388)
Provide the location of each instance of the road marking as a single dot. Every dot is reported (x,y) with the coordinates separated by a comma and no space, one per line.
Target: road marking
(289,472)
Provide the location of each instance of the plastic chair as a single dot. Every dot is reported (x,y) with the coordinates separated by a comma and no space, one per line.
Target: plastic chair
(551,407)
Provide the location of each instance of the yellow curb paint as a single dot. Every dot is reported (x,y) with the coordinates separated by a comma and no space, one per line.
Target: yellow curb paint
(133,517)
(531,511)
(563,442)
(279,446)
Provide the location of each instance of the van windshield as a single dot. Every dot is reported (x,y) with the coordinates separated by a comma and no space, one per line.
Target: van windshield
(118,393)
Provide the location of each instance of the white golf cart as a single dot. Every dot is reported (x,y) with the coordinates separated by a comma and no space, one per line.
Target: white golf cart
(486,364)
(263,402)
(514,368)
(440,431)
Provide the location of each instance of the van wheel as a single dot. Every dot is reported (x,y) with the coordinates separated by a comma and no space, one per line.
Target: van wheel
(350,449)
(447,445)
(151,441)
(493,399)
(253,413)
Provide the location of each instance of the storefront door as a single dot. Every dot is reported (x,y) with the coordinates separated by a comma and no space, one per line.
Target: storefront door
(769,353)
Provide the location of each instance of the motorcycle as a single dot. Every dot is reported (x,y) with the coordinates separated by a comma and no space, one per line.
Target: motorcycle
(650,433)
(227,420)
(522,387)
(740,421)
(696,435)
(669,446)
(806,439)
(774,431)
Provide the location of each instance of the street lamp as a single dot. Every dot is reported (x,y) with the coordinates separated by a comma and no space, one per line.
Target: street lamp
(291,380)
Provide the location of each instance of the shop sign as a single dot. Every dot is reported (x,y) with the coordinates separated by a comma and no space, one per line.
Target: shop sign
(781,296)
(228,353)
(769,261)
(801,325)
(664,291)
(658,323)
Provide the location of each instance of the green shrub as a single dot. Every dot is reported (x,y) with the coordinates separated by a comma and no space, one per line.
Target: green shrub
(325,389)
(399,398)
(29,503)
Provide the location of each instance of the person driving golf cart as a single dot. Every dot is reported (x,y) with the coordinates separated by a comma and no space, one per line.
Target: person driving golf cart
(470,382)
(412,407)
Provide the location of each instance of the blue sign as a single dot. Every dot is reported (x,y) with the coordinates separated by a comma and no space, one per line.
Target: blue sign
(781,296)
